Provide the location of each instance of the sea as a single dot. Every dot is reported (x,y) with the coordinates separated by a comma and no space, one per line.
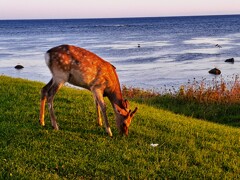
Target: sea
(149,53)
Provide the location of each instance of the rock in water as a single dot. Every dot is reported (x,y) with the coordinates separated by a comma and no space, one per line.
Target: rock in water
(18,66)
(215,71)
(230,60)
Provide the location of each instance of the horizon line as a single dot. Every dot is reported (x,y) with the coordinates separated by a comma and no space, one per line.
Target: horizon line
(130,17)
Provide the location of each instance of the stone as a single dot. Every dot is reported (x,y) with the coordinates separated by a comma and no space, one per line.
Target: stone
(18,66)
(215,71)
(230,60)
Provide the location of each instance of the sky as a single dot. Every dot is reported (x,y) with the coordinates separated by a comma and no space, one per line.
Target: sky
(58,9)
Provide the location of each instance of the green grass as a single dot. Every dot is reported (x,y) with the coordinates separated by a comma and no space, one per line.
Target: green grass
(188,147)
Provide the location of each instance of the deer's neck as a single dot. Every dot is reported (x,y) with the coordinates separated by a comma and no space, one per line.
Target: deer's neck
(116,98)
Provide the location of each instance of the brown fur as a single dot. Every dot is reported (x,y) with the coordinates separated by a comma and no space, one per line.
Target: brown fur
(85,69)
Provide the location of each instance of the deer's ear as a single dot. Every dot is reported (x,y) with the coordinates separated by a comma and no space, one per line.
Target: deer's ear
(130,117)
(119,110)
(133,113)
(126,104)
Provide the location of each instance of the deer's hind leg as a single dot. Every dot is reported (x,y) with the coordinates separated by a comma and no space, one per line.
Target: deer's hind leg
(99,117)
(51,93)
(44,94)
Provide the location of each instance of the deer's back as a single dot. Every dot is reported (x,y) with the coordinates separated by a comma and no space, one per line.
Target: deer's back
(80,67)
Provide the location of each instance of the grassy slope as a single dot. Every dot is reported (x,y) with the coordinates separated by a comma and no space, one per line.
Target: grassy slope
(187,147)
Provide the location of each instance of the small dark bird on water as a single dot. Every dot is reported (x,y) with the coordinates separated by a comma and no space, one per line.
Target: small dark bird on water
(219,46)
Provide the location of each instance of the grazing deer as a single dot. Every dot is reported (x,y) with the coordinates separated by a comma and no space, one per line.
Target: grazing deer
(85,69)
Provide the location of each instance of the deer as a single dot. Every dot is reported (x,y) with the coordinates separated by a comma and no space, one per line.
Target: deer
(82,68)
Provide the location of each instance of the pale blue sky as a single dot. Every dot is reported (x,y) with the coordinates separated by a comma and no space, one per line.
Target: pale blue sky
(38,9)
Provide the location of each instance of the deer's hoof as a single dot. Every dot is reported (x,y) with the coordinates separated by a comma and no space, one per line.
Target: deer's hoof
(42,123)
(108,130)
(55,128)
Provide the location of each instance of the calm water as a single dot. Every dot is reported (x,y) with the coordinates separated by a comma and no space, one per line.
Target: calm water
(173,49)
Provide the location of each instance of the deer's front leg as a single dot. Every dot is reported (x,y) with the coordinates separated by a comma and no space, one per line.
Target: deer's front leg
(99,98)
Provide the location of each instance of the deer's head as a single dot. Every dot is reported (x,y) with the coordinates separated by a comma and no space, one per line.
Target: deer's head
(124,117)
